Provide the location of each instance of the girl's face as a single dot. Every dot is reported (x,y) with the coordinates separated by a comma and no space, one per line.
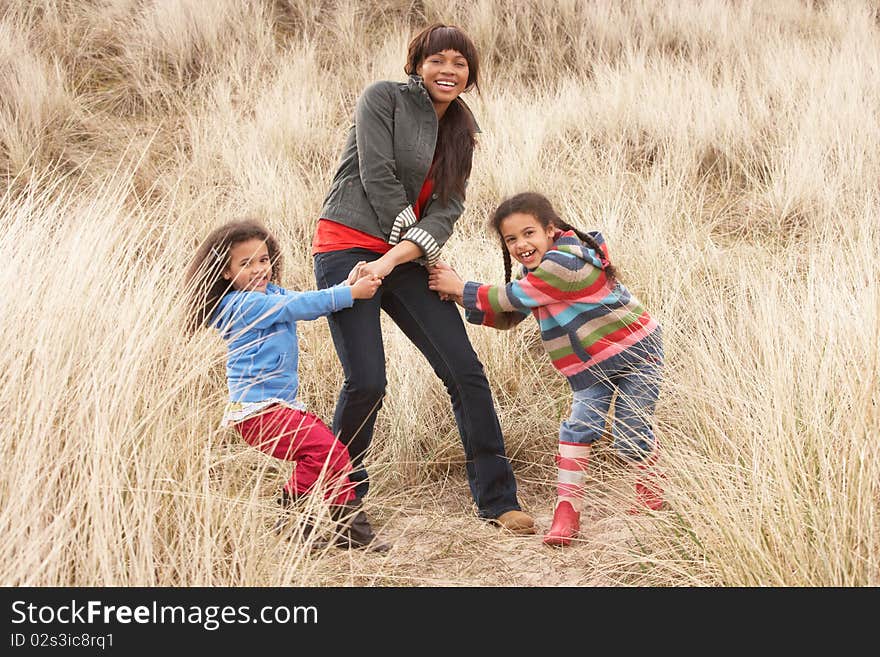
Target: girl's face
(445,75)
(525,238)
(250,267)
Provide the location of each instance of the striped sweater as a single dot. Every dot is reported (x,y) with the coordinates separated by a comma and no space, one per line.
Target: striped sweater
(585,318)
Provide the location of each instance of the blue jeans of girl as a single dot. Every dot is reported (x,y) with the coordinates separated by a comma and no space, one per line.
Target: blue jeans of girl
(634,376)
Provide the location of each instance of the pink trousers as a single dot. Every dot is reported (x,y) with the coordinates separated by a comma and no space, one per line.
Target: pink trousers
(292,435)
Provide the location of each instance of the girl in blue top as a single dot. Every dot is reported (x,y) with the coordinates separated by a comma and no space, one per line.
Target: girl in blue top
(232,280)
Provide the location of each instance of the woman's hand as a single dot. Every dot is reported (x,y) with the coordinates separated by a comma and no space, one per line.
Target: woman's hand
(365,287)
(381,267)
(444,281)
(355,272)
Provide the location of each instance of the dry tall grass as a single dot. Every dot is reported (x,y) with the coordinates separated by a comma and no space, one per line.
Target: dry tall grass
(730,153)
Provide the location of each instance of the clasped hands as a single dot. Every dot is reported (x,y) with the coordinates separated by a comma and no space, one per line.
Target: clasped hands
(363,282)
(446,282)
(442,278)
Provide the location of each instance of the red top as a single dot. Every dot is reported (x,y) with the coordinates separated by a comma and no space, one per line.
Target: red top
(333,236)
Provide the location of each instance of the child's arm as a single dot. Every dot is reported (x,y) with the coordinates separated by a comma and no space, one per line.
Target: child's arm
(500,321)
(258,310)
(439,265)
(445,281)
(561,277)
(363,283)
(365,286)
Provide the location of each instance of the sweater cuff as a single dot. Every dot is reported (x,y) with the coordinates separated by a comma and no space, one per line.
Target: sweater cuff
(469,296)
(474,316)
(426,242)
(341,296)
(404,220)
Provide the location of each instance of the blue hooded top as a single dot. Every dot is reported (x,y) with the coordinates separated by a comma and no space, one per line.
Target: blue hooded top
(260,333)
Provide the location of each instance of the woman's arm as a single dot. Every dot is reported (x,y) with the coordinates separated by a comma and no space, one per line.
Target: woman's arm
(438,217)
(435,227)
(403,252)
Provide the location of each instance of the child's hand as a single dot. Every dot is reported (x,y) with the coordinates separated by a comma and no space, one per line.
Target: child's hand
(442,264)
(443,280)
(355,272)
(365,287)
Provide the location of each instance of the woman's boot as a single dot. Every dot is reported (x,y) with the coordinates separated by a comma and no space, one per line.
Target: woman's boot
(571,461)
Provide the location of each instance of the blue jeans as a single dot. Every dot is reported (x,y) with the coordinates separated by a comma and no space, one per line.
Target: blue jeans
(435,327)
(635,376)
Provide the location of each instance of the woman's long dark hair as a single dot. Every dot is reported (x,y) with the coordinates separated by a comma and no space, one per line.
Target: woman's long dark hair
(204,280)
(456,133)
(538,206)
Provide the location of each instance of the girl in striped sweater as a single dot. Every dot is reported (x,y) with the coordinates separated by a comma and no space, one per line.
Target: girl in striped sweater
(597,334)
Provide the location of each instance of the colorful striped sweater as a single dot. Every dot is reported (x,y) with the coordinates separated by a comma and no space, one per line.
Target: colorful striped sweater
(584,317)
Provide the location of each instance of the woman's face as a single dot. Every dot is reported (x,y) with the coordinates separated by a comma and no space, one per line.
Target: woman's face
(445,75)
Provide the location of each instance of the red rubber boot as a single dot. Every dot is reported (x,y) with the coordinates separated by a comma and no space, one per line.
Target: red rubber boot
(649,487)
(566,524)
(572,461)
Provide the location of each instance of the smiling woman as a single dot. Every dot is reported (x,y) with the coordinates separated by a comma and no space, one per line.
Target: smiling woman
(398,191)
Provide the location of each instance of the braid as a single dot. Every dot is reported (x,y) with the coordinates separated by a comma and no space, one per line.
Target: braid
(508,265)
(587,239)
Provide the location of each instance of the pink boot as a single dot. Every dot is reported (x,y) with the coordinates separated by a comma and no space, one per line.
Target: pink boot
(649,487)
(648,497)
(566,524)
(572,461)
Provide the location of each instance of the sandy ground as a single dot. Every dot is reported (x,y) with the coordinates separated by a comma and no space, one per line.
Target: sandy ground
(439,542)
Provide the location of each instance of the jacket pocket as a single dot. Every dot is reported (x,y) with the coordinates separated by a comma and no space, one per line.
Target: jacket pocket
(352,195)
(276,364)
(407,131)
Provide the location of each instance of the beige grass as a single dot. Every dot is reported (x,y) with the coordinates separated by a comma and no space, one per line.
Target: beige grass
(729,152)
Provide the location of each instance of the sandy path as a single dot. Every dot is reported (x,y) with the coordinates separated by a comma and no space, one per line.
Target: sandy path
(453,548)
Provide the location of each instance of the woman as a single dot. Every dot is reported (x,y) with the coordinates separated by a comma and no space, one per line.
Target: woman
(397,192)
